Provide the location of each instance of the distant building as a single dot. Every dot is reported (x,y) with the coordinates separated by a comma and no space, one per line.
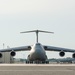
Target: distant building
(6,58)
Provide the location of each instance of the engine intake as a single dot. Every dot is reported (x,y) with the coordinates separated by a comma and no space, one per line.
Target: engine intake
(62,53)
(45,47)
(1,55)
(73,56)
(12,53)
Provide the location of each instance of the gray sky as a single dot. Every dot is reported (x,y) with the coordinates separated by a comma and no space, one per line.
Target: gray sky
(52,15)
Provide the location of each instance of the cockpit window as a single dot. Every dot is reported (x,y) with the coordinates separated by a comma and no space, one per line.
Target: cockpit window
(38,44)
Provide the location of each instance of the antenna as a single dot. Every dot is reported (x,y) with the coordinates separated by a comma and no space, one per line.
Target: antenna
(37,31)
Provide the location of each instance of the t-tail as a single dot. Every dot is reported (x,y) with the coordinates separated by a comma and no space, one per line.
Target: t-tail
(37,31)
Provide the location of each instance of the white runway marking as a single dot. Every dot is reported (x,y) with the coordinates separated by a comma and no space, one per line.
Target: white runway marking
(37,64)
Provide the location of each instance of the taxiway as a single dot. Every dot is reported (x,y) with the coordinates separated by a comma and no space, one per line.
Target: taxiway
(37,69)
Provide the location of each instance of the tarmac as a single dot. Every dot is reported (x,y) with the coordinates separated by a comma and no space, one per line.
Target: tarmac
(37,69)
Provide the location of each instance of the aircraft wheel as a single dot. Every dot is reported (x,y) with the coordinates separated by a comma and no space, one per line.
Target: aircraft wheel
(31,62)
(43,62)
(47,62)
(27,62)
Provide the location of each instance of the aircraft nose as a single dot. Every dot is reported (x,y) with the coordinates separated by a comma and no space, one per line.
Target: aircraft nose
(37,50)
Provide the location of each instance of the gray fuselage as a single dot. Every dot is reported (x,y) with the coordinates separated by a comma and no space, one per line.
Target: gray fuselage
(37,53)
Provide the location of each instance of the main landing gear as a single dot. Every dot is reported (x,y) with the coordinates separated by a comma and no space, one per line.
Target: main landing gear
(37,62)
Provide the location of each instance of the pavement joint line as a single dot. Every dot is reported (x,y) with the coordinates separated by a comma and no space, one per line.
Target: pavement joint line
(34,70)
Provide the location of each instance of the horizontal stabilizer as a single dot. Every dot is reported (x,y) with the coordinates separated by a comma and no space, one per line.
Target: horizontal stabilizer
(37,31)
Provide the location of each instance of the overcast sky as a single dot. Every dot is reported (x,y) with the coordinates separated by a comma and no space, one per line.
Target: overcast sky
(51,15)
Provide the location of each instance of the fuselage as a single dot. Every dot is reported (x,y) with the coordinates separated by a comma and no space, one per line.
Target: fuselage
(37,53)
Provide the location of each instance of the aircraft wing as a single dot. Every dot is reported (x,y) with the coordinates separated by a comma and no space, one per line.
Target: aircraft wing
(52,48)
(23,48)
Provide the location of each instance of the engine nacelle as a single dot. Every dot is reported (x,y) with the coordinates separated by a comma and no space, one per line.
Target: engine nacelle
(45,47)
(13,53)
(28,57)
(1,55)
(73,56)
(62,53)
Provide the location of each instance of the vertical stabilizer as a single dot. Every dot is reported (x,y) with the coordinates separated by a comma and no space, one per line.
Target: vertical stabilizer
(37,31)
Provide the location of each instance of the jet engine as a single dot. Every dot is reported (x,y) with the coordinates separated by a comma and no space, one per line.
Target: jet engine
(45,47)
(13,53)
(1,55)
(73,56)
(62,53)
(28,57)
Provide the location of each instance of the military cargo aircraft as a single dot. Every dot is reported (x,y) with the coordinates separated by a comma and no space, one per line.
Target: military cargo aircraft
(37,51)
